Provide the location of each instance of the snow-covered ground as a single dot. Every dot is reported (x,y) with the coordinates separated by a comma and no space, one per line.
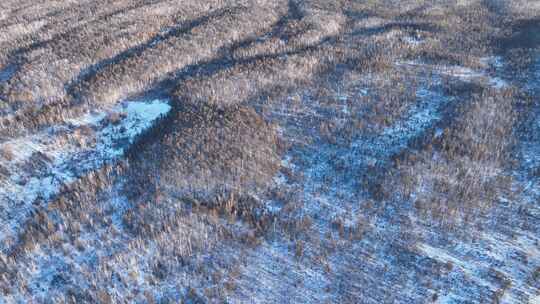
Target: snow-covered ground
(377,267)
(371,268)
(504,257)
(6,73)
(35,167)
(333,194)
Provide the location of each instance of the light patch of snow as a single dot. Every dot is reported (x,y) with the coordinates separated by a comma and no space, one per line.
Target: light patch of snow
(19,29)
(459,72)
(530,244)
(276,272)
(287,162)
(120,205)
(3,15)
(413,41)
(345,98)
(64,155)
(420,117)
(448,299)
(93,118)
(536,67)
(492,61)
(280,179)
(441,255)
(463,73)
(22,148)
(330,195)
(140,115)
(497,83)
(342,97)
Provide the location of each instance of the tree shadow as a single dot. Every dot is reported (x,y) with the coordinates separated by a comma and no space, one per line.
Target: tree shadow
(408,26)
(175,31)
(525,35)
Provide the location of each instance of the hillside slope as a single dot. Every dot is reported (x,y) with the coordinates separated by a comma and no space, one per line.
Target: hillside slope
(256,151)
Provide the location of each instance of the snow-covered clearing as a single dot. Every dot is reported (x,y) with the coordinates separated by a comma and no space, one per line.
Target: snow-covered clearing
(463,73)
(505,255)
(332,194)
(35,167)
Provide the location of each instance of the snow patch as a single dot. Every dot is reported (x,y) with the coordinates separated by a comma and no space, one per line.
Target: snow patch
(35,167)
(413,41)
(460,72)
